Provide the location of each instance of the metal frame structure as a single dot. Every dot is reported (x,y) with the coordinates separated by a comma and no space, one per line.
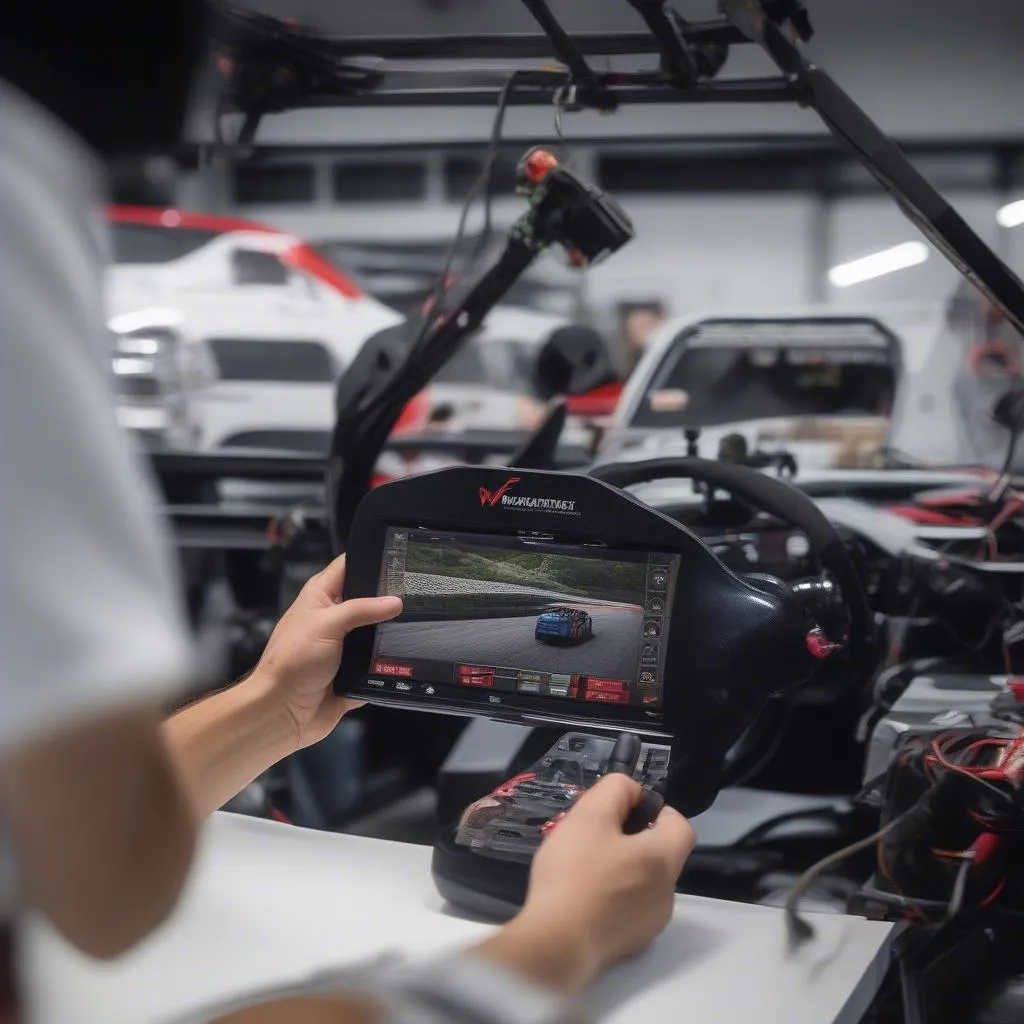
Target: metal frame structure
(323,73)
(293,68)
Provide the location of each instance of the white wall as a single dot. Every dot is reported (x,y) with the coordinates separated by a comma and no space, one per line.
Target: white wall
(704,252)
(861,226)
(693,253)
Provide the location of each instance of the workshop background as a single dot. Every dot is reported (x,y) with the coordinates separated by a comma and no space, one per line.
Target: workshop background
(743,208)
(738,209)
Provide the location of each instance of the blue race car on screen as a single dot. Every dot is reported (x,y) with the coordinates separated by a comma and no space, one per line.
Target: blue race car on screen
(564,623)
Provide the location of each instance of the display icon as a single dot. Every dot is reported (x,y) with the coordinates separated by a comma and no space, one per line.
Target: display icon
(652,628)
(657,578)
(655,605)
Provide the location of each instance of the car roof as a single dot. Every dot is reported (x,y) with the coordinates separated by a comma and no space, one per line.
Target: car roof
(299,252)
(171,217)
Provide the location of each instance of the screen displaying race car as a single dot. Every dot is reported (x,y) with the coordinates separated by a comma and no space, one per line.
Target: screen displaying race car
(524,615)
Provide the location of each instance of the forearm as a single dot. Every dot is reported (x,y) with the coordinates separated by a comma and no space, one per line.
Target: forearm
(220,744)
(101,828)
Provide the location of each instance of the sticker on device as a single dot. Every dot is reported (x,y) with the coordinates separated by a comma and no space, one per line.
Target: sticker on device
(501,498)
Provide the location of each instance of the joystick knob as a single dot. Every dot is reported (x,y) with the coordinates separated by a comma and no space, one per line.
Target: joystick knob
(623,761)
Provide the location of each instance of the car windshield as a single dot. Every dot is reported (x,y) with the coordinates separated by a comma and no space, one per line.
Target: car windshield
(707,385)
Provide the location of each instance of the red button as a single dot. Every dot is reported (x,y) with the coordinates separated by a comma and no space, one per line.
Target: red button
(612,685)
(471,675)
(607,697)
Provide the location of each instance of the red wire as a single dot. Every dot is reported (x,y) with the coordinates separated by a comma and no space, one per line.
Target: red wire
(991,897)
(276,815)
(971,773)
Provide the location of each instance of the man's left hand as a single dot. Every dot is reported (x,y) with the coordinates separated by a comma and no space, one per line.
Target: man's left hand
(303,653)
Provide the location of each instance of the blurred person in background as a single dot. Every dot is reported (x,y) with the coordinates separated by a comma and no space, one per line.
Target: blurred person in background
(637,323)
(990,361)
(99,801)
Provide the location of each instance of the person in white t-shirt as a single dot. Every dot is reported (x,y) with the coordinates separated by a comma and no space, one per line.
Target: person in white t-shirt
(100,800)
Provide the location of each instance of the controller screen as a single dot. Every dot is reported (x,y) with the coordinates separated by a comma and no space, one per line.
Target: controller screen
(489,618)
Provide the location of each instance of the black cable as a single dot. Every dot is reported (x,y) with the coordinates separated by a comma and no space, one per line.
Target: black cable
(798,929)
(779,737)
(762,831)
(956,901)
(1005,477)
(432,308)
(484,181)
(487,171)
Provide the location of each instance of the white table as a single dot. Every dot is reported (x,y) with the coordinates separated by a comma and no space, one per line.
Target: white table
(270,903)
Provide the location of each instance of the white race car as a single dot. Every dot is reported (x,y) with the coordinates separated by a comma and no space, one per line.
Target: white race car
(820,387)
(228,332)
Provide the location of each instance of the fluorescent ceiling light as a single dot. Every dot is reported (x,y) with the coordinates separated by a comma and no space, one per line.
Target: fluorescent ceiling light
(899,257)
(1012,214)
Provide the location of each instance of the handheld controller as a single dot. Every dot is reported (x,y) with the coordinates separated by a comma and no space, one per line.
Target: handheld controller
(556,599)
(481,861)
(549,598)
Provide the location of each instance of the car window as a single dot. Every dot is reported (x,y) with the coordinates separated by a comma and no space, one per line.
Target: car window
(143,243)
(254,267)
(711,386)
(239,359)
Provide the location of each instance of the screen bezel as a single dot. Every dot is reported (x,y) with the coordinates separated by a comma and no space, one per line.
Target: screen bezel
(361,645)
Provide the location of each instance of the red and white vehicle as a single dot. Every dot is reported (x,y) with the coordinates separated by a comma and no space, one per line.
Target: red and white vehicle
(229,332)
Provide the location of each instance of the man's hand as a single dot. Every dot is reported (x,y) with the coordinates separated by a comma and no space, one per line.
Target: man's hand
(596,895)
(304,651)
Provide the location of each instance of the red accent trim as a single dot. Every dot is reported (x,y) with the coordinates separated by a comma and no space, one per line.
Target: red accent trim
(276,815)
(165,217)
(599,402)
(1016,687)
(539,164)
(300,255)
(991,897)
(414,415)
(508,787)
(984,846)
(548,825)
(819,645)
(952,498)
(928,517)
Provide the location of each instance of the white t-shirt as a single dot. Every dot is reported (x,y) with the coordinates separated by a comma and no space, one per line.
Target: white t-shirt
(89,610)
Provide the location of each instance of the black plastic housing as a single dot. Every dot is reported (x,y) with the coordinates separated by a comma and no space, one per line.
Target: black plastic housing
(730,645)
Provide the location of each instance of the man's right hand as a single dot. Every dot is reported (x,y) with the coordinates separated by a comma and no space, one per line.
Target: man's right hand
(595,894)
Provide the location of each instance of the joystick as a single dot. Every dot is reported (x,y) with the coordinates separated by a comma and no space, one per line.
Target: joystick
(624,755)
(482,863)
(623,760)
